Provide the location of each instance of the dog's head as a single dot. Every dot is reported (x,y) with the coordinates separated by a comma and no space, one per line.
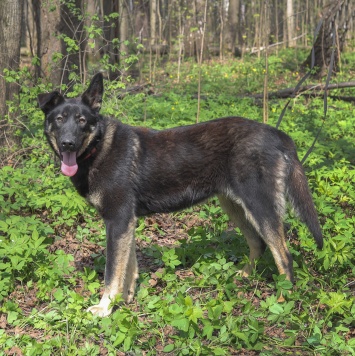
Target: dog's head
(72,126)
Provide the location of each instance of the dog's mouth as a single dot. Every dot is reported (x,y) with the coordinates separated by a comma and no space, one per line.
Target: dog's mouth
(69,166)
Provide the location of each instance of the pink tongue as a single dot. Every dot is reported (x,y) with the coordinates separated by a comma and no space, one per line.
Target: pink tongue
(69,166)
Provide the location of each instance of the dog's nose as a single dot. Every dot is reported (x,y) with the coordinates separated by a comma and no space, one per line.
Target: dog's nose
(67,145)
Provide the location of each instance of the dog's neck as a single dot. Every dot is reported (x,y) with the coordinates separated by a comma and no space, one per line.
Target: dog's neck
(91,153)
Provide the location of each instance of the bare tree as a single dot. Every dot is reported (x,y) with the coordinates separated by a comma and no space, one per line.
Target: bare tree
(233,17)
(62,40)
(32,11)
(124,36)
(335,22)
(50,45)
(290,24)
(10,34)
(153,21)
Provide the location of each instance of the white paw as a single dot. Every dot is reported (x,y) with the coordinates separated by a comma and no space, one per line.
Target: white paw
(99,310)
(245,272)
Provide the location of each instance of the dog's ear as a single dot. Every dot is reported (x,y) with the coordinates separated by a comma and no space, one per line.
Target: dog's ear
(92,97)
(48,101)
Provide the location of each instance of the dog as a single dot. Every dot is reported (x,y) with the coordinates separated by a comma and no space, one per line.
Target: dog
(126,172)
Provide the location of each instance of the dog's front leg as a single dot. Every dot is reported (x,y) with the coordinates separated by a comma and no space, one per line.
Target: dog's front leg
(121,269)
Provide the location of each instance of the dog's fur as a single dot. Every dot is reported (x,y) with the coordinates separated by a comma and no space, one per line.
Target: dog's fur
(127,172)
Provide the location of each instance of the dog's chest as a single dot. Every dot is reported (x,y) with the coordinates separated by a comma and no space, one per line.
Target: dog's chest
(94,195)
(95,198)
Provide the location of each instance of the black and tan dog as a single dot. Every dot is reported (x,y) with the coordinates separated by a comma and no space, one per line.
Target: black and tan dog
(127,172)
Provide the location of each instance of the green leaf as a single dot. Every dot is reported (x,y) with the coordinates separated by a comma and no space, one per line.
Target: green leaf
(3,226)
(241,335)
(195,314)
(181,324)
(120,337)
(169,348)
(12,316)
(58,295)
(208,331)
(276,309)
(188,301)
(127,343)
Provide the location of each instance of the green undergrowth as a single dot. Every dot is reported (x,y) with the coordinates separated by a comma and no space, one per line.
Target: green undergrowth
(189,299)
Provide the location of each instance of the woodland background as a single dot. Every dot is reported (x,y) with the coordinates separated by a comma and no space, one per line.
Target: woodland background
(61,42)
(58,38)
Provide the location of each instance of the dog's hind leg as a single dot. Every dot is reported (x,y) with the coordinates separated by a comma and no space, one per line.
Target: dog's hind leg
(255,242)
(261,225)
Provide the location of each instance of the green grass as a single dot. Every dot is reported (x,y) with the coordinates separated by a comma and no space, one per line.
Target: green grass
(189,300)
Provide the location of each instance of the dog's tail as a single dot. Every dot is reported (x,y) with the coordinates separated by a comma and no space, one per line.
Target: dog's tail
(301,200)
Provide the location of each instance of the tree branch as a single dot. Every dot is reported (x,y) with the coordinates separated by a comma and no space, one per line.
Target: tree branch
(289,92)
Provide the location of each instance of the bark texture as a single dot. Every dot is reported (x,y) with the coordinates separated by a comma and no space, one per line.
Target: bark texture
(10,35)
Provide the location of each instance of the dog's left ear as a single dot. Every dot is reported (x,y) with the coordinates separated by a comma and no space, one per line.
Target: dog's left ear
(92,97)
(48,101)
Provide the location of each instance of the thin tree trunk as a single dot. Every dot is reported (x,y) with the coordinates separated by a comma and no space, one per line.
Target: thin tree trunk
(266,31)
(290,23)
(123,11)
(221,30)
(92,50)
(233,16)
(153,21)
(200,55)
(181,41)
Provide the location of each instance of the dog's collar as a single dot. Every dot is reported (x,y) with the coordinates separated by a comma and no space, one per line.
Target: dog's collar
(92,152)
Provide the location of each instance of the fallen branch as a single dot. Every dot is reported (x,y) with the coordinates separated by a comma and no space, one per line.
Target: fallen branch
(290,92)
(143,88)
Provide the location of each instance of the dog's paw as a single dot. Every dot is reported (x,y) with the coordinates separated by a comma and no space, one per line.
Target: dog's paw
(281,298)
(99,310)
(245,272)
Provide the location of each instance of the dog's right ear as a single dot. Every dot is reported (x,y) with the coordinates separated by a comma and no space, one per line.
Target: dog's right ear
(48,101)
(92,97)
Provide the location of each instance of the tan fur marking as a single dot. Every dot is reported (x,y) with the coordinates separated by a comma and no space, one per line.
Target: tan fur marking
(95,199)
(239,216)
(135,149)
(86,143)
(280,252)
(280,188)
(230,207)
(107,143)
(53,141)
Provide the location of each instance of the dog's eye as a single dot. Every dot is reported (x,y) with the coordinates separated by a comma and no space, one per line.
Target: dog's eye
(82,120)
(59,119)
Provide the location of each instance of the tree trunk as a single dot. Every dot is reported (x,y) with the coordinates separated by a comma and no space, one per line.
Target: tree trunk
(123,11)
(336,16)
(111,31)
(290,24)
(58,59)
(233,17)
(153,21)
(33,9)
(10,36)
(50,45)
(93,45)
